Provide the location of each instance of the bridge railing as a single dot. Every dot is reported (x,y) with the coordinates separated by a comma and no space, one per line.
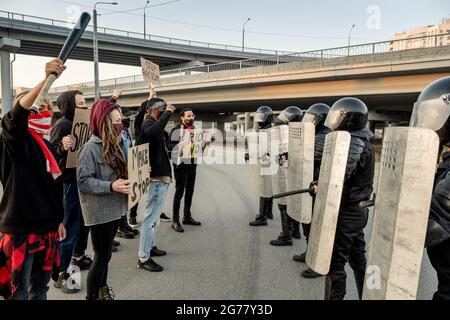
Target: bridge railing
(303,60)
(18,17)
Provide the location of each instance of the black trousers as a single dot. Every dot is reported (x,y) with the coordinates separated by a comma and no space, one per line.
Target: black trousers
(184,184)
(102,236)
(440,260)
(307,227)
(349,246)
(133,211)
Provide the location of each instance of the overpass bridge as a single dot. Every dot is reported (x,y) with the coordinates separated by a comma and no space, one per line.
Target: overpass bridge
(388,81)
(45,37)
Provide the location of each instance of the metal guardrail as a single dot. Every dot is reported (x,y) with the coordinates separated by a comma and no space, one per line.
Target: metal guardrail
(370,52)
(17,17)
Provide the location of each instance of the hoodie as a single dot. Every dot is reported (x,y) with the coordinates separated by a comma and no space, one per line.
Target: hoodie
(62,128)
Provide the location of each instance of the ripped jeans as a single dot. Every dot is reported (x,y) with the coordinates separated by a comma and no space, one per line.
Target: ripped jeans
(153,208)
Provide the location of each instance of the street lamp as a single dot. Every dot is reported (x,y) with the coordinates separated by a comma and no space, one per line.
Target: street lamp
(96,82)
(349,36)
(148,1)
(243,33)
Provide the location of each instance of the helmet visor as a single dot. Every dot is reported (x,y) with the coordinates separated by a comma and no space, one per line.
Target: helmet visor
(334,119)
(286,116)
(431,114)
(311,118)
(261,117)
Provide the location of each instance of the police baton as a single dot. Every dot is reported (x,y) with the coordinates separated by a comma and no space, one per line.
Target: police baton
(291,193)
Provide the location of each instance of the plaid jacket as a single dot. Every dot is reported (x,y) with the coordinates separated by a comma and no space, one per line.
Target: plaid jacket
(14,248)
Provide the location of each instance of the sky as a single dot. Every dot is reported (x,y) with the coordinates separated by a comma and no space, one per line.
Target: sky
(291,25)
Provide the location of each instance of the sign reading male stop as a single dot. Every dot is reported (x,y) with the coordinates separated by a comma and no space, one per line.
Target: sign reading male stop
(138,172)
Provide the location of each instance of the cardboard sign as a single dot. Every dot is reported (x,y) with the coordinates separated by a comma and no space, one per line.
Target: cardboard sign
(138,172)
(80,135)
(191,143)
(150,71)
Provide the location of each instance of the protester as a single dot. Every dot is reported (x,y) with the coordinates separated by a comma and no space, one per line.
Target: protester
(157,114)
(103,186)
(31,209)
(126,142)
(184,172)
(73,248)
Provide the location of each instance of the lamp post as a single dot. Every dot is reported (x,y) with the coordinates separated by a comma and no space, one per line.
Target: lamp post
(96,81)
(243,33)
(349,37)
(148,1)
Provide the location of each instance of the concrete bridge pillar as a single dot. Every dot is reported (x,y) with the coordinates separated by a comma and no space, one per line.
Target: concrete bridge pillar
(7,45)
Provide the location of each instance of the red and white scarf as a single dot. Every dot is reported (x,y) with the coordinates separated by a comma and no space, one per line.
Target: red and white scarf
(39,127)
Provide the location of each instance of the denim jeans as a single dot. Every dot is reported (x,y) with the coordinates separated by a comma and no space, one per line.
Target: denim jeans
(73,220)
(153,208)
(34,282)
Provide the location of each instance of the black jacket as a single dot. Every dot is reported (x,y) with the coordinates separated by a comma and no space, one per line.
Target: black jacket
(319,144)
(440,201)
(152,132)
(360,171)
(32,200)
(62,128)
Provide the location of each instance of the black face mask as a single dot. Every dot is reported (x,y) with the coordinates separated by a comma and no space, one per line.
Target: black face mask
(126,123)
(160,113)
(189,122)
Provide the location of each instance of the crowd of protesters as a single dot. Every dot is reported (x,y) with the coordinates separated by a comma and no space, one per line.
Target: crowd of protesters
(46,236)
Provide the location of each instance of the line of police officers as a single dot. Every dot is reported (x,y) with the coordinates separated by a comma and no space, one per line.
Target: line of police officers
(432,110)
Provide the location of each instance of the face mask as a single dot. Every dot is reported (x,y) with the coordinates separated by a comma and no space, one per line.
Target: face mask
(126,123)
(118,127)
(40,123)
(160,113)
(189,122)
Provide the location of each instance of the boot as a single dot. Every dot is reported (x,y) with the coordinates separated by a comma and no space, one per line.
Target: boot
(269,206)
(359,278)
(300,258)
(284,239)
(106,293)
(122,231)
(335,285)
(126,226)
(261,218)
(294,227)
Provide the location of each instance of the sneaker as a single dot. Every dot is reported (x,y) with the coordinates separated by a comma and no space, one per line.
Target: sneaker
(125,234)
(106,293)
(191,221)
(63,283)
(116,243)
(164,218)
(310,274)
(114,249)
(132,222)
(149,265)
(177,227)
(84,262)
(300,258)
(157,253)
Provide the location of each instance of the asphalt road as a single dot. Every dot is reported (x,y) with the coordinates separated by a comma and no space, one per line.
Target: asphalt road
(224,258)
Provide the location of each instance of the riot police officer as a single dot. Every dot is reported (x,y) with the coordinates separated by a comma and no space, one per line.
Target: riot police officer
(432,110)
(351,114)
(316,114)
(263,118)
(289,226)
